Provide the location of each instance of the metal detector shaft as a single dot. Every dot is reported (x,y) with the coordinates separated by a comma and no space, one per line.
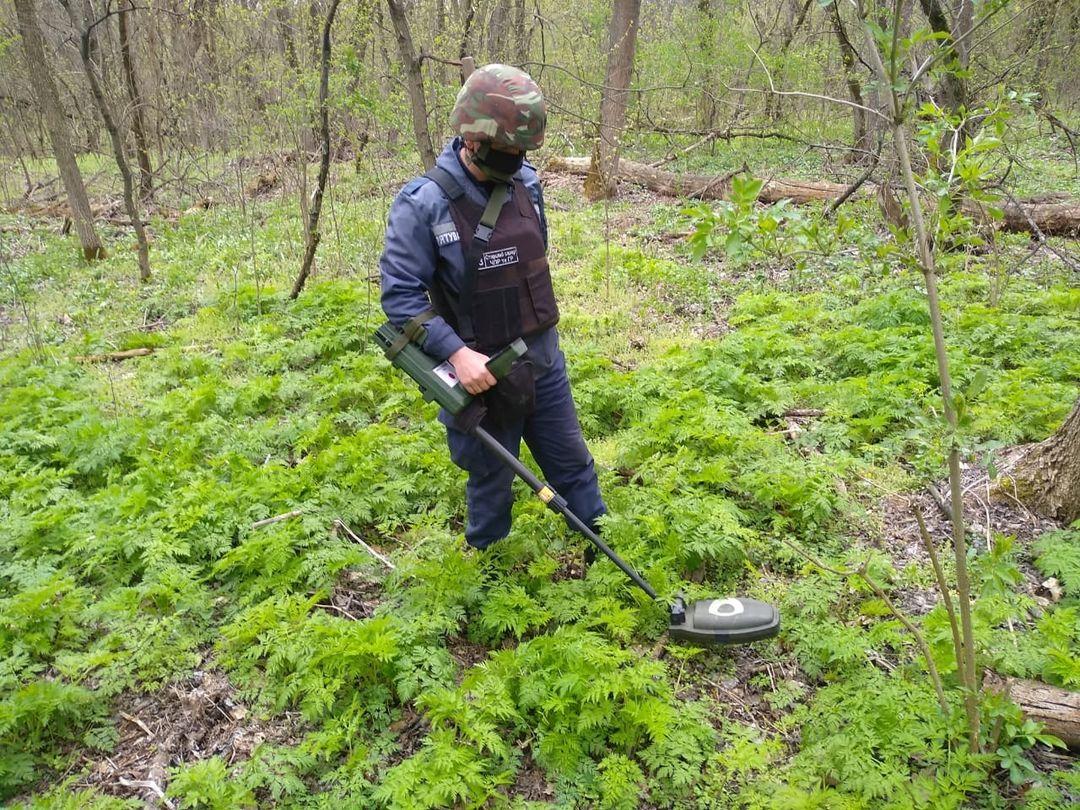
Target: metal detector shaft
(557,503)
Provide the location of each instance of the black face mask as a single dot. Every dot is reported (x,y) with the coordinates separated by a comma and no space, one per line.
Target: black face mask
(497,165)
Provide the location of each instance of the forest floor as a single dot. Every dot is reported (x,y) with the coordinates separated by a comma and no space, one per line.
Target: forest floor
(157,646)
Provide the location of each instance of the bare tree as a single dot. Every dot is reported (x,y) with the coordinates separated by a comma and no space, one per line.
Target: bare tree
(602,180)
(57,126)
(87,28)
(497,33)
(138,123)
(708,34)
(522,32)
(863,137)
(313,233)
(414,81)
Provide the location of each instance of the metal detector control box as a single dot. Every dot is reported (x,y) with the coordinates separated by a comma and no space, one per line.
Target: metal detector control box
(437,379)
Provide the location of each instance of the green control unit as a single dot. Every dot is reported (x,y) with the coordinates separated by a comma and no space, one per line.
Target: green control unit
(437,379)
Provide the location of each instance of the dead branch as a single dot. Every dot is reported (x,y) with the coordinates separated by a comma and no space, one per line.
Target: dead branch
(258,524)
(340,524)
(114,357)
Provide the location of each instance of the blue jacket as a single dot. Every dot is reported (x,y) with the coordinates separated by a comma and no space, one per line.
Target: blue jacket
(422,243)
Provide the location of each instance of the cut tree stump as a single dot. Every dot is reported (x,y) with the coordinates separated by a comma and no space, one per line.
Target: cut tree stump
(1057,218)
(1057,709)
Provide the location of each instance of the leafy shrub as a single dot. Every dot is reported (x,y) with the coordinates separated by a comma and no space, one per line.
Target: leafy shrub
(283,654)
(206,785)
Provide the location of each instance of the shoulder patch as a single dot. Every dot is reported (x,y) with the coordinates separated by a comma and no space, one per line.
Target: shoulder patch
(414,184)
(445,234)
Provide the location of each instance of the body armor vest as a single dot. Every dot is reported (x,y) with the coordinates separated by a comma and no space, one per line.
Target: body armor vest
(506,292)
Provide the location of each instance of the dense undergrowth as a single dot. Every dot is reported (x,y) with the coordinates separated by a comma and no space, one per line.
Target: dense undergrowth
(128,557)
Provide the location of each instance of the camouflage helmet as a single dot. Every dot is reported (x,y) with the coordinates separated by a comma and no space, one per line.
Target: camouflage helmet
(502,105)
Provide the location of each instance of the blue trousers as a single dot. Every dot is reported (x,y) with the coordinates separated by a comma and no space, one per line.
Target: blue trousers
(553,434)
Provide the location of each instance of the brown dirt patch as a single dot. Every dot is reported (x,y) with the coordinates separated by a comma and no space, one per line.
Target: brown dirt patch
(466,653)
(987,512)
(410,731)
(743,689)
(530,784)
(194,719)
(355,596)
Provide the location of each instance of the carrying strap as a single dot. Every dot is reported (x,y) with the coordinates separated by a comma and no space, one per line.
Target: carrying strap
(481,236)
(444,180)
(413,331)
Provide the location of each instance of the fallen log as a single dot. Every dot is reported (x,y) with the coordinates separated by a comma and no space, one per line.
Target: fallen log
(1058,710)
(703,186)
(114,357)
(1053,219)
(1056,218)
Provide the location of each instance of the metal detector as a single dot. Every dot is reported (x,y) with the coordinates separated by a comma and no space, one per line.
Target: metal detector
(706,621)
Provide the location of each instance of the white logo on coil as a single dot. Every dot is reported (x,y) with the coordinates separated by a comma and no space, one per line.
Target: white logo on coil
(725,608)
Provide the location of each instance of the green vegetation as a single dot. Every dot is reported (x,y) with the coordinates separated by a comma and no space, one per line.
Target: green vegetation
(129,492)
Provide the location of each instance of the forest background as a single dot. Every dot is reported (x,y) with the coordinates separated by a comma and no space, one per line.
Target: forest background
(818,272)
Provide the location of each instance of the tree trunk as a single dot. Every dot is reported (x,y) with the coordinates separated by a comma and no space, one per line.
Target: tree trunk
(498,41)
(57,126)
(414,81)
(138,124)
(953,90)
(602,181)
(522,32)
(862,138)
(708,34)
(313,233)
(85,27)
(796,17)
(1048,474)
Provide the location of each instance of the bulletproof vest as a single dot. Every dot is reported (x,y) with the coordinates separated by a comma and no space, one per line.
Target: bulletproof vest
(506,292)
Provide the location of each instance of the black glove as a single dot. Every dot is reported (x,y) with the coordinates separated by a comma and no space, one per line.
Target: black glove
(514,396)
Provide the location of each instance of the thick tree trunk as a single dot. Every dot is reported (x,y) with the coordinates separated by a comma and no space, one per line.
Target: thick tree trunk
(953,92)
(523,29)
(57,126)
(862,138)
(498,41)
(138,124)
(313,233)
(414,81)
(85,27)
(602,180)
(1048,474)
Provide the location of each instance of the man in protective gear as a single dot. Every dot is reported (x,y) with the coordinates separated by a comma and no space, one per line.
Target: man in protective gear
(466,261)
